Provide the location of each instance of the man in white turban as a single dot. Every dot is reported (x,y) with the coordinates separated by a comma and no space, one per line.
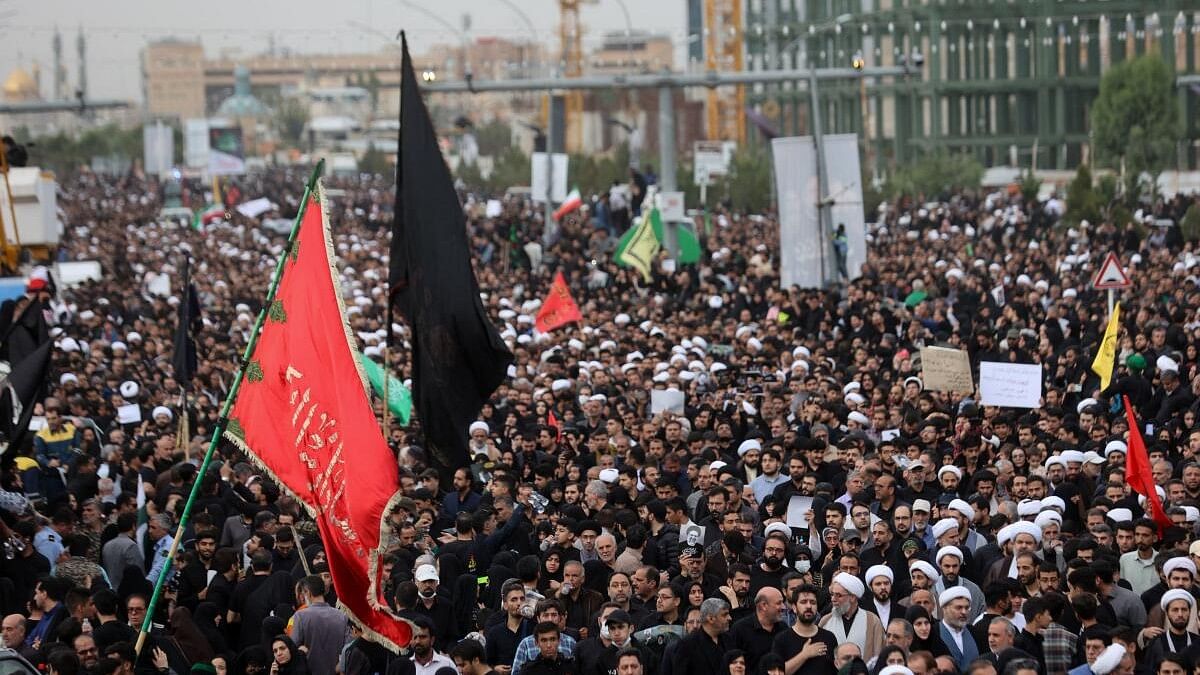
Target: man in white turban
(850,623)
(949,560)
(1180,608)
(955,603)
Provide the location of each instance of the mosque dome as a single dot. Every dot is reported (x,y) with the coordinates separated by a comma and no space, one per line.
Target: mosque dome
(243,103)
(20,86)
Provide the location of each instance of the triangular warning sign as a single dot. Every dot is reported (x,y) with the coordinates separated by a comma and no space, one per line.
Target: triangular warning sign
(1111,275)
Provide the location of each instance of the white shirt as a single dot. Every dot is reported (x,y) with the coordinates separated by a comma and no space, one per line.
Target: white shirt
(956,634)
(438,661)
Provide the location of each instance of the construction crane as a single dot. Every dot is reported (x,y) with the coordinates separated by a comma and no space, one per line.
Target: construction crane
(724,34)
(570,31)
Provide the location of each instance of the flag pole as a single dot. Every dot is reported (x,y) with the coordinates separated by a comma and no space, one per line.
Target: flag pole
(183,440)
(223,419)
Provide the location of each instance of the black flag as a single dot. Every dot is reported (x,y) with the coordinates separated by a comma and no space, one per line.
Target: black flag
(458,358)
(184,358)
(19,393)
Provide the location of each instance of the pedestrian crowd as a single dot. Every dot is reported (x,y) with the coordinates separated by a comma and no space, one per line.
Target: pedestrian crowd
(709,474)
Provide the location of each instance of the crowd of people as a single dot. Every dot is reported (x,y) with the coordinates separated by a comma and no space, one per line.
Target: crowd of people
(812,509)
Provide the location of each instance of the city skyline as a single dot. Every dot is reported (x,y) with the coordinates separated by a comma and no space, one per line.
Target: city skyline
(117,31)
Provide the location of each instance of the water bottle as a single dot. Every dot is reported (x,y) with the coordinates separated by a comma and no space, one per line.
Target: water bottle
(87,626)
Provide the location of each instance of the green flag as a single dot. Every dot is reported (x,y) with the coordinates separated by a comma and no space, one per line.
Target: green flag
(399,398)
(638,247)
(685,237)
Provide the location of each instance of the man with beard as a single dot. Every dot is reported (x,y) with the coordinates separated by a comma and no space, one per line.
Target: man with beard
(949,560)
(956,605)
(755,634)
(806,648)
(770,569)
(770,477)
(1178,572)
(847,622)
(886,549)
(915,486)
(949,477)
(1027,574)
(879,582)
(999,605)
(1178,605)
(1137,566)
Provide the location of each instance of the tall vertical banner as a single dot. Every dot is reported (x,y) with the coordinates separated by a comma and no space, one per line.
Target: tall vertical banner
(195,143)
(303,415)
(802,259)
(226,151)
(158,148)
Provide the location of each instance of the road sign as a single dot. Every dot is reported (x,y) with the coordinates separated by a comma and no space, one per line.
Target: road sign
(1111,275)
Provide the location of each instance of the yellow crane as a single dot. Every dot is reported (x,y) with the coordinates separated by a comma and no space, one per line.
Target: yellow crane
(724,35)
(570,32)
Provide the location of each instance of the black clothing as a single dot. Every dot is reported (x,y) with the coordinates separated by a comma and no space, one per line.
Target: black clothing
(788,643)
(749,636)
(698,654)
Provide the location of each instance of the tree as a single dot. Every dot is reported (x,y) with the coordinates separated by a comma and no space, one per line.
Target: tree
(493,138)
(374,161)
(65,154)
(1136,120)
(511,168)
(935,175)
(291,116)
(1084,202)
(748,184)
(471,176)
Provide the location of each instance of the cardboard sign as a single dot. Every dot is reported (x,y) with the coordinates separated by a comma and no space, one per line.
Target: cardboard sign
(666,400)
(945,369)
(670,204)
(1012,385)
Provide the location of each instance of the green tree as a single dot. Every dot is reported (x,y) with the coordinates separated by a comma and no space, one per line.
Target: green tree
(511,168)
(66,154)
(374,161)
(1190,225)
(1136,120)
(493,138)
(291,115)
(936,175)
(471,176)
(748,184)
(1084,202)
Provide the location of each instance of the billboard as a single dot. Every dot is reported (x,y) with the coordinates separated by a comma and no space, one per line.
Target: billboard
(226,151)
(807,256)
(195,143)
(158,148)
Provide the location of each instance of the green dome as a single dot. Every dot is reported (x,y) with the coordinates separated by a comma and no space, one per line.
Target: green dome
(242,103)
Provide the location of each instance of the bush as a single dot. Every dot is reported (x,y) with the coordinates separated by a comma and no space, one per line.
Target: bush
(1084,202)
(1190,225)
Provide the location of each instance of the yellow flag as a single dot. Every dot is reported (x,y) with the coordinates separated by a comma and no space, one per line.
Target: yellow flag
(638,248)
(1107,355)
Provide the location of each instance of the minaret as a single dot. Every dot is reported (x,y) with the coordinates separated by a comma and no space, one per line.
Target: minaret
(81,48)
(60,73)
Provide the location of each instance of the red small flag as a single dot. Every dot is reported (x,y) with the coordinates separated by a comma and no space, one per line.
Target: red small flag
(552,422)
(559,308)
(1137,472)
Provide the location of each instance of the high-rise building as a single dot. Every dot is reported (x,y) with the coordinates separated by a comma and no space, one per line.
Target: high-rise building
(1004,80)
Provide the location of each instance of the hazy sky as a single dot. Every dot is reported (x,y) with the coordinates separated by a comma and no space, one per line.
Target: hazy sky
(117,29)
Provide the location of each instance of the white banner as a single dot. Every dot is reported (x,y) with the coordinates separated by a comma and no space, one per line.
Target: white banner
(539,180)
(158,149)
(1012,385)
(195,143)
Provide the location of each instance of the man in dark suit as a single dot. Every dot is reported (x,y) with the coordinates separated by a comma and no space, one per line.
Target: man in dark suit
(702,651)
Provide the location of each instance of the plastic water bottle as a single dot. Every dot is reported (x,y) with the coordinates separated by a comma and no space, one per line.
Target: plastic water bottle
(87,627)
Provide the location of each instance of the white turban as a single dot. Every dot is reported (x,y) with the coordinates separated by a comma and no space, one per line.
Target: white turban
(1179,563)
(851,583)
(478,426)
(879,571)
(925,568)
(1115,446)
(943,526)
(1055,459)
(953,593)
(1028,507)
(1026,527)
(949,469)
(162,410)
(1005,534)
(1054,502)
(1073,456)
(1120,515)
(1109,659)
(948,550)
(1176,594)
(896,670)
(129,389)
(1046,517)
(963,507)
(748,445)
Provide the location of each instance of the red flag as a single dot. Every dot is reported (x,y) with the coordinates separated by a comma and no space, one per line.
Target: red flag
(1137,472)
(558,308)
(302,413)
(552,422)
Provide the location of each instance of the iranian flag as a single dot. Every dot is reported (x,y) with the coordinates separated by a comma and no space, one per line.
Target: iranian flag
(207,215)
(572,202)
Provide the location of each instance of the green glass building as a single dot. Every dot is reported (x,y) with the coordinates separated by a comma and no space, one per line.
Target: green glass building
(1010,81)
